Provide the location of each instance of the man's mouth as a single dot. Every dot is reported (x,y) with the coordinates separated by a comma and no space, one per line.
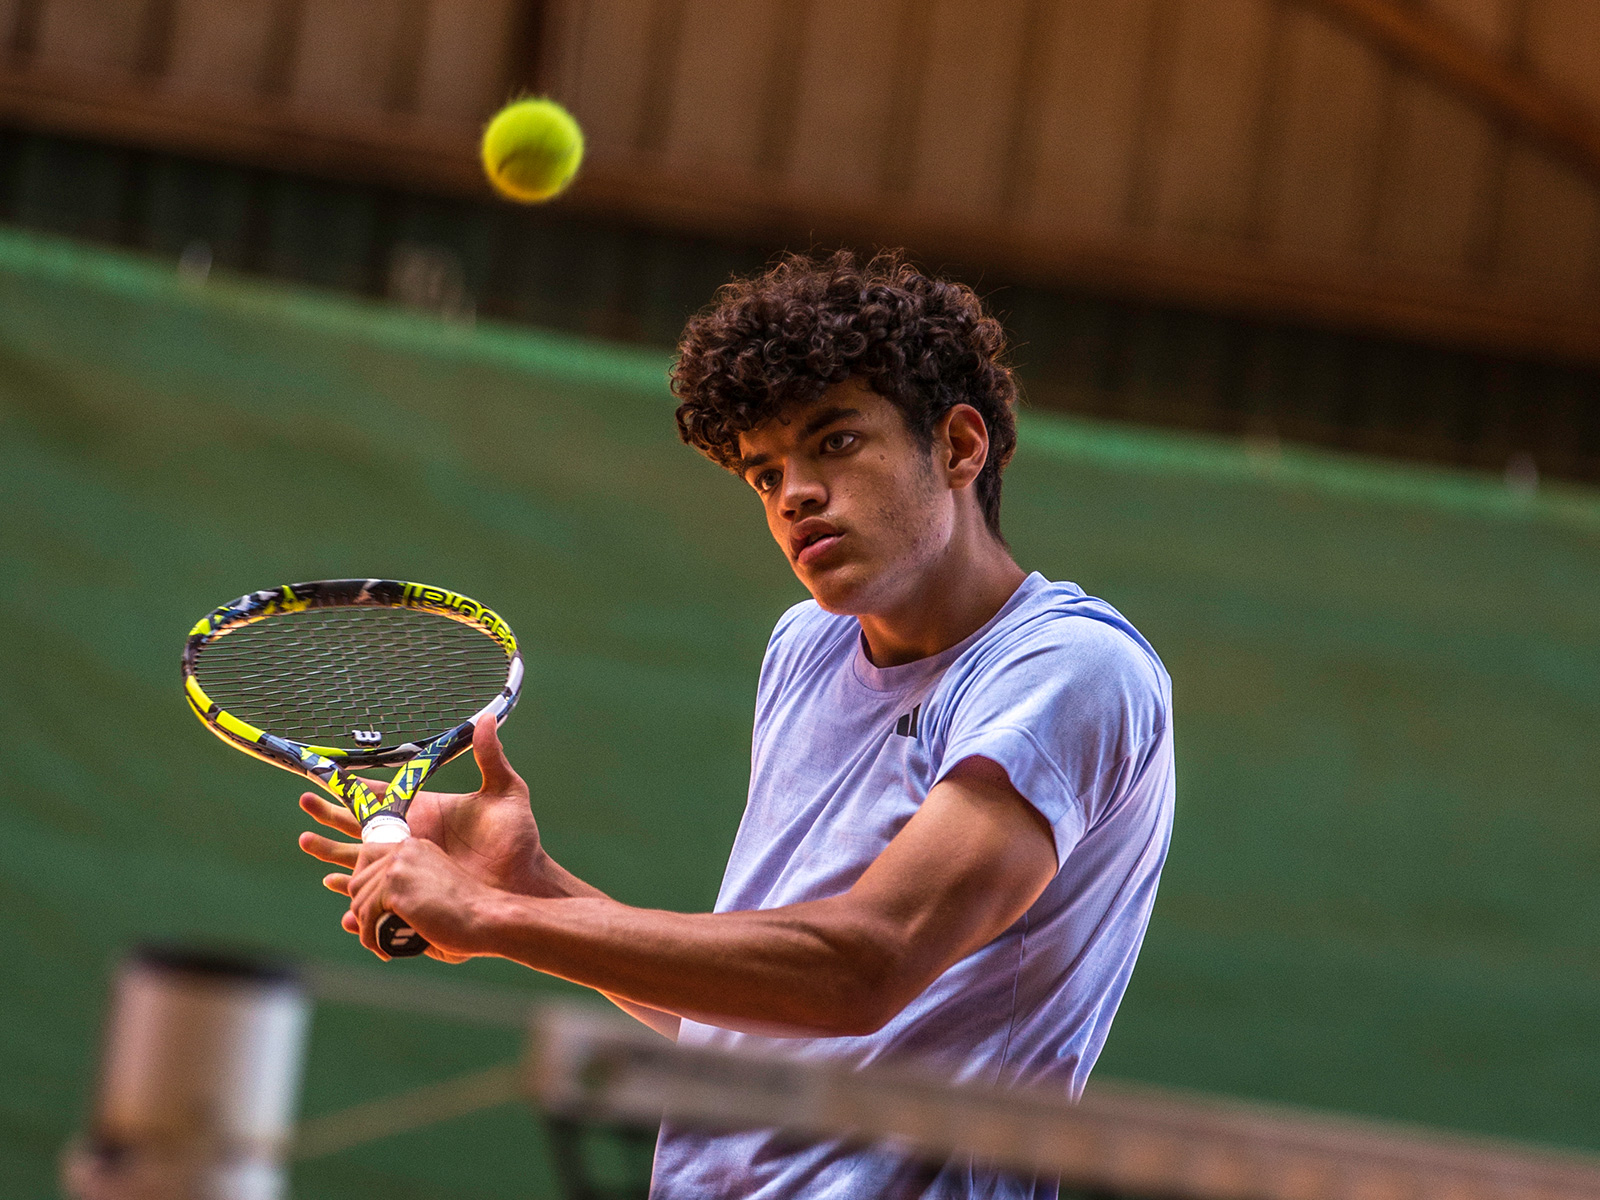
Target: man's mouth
(811,540)
(816,548)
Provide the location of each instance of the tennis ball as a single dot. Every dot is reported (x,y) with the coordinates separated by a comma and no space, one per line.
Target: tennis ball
(531,150)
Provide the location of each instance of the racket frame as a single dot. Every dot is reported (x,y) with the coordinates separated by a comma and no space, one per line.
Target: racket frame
(381,818)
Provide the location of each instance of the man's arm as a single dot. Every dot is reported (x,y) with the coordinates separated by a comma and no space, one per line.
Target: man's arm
(490,834)
(969,863)
(569,885)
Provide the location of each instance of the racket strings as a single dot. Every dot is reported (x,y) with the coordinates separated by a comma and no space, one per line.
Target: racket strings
(345,676)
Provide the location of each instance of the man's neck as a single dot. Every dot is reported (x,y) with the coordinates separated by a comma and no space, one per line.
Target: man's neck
(953,601)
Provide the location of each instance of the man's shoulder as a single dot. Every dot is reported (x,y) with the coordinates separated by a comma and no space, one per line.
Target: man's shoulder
(1067,681)
(807,629)
(1062,616)
(806,621)
(1062,642)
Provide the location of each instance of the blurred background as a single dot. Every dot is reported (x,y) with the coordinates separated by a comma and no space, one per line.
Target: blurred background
(1303,297)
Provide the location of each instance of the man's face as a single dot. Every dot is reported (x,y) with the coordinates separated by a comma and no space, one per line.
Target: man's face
(854,503)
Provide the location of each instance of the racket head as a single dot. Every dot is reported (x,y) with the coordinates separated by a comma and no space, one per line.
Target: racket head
(334,676)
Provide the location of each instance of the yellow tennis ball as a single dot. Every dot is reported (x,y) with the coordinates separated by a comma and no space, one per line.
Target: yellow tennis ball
(531,150)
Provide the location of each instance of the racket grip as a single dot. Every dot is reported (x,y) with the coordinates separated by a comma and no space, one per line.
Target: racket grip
(395,937)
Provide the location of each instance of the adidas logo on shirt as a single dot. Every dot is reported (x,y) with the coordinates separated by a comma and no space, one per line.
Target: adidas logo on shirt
(909,724)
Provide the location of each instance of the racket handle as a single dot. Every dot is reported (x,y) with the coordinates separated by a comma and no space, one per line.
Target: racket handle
(395,937)
(399,940)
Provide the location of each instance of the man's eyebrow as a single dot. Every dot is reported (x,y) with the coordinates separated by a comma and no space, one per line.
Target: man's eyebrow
(819,421)
(828,416)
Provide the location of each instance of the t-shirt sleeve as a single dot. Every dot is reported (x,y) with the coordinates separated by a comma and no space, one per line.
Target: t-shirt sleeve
(787,640)
(1068,711)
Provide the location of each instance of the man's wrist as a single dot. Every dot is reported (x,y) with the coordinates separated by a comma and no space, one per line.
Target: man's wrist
(552,881)
(494,916)
(544,877)
(533,873)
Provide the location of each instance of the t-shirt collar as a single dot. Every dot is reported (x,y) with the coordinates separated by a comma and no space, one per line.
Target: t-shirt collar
(919,671)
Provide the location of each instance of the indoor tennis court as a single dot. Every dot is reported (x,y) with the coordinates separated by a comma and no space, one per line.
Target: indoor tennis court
(1359,524)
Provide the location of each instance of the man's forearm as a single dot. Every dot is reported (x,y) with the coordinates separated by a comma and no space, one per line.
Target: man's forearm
(960,873)
(550,880)
(816,969)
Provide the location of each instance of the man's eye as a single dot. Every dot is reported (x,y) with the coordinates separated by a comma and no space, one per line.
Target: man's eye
(766,481)
(835,442)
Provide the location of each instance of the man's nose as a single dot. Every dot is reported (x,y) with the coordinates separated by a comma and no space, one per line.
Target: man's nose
(802,490)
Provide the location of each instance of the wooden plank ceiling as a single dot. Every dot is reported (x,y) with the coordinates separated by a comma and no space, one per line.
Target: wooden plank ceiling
(1430,169)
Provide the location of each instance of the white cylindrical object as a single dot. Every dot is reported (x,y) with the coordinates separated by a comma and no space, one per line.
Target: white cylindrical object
(199,1081)
(385,828)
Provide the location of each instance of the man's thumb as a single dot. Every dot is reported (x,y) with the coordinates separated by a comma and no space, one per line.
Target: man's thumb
(491,757)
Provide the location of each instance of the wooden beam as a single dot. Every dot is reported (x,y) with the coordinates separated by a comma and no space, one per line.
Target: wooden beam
(1457,311)
(1508,93)
(401,151)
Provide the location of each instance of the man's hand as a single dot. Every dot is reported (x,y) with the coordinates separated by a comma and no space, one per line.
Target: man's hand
(488,837)
(435,896)
(490,833)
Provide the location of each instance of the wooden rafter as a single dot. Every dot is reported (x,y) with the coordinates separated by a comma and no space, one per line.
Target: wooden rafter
(1507,92)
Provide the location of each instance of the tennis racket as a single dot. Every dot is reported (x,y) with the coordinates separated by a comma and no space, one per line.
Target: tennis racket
(343,675)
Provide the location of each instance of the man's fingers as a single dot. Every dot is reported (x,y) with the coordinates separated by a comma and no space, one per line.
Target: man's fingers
(370,858)
(334,816)
(498,777)
(340,854)
(366,905)
(337,882)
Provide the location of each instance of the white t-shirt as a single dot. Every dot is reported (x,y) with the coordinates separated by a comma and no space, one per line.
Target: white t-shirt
(1061,691)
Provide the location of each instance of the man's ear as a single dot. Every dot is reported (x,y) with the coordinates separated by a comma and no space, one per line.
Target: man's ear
(962,439)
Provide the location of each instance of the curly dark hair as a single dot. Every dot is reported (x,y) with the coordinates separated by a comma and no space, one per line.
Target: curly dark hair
(807,323)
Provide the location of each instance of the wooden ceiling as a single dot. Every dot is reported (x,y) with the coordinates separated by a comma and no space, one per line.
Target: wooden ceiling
(1428,169)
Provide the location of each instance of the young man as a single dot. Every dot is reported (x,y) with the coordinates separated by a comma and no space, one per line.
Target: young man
(961,785)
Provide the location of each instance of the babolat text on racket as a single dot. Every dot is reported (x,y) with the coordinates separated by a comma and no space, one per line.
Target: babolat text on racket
(344,675)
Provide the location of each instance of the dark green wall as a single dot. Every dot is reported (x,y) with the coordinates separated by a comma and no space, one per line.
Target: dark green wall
(1382,894)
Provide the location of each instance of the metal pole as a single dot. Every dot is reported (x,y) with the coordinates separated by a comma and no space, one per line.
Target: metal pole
(199,1081)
